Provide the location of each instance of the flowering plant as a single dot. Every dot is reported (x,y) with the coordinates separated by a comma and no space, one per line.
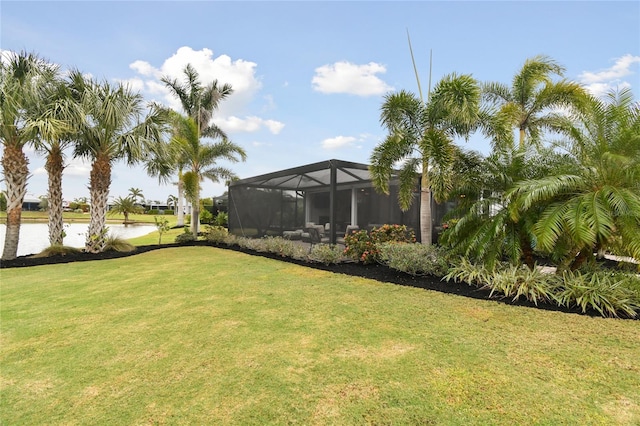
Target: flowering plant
(364,246)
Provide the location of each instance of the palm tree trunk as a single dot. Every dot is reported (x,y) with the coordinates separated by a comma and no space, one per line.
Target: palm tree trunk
(54,169)
(195,214)
(99,182)
(426,227)
(180,201)
(527,251)
(16,171)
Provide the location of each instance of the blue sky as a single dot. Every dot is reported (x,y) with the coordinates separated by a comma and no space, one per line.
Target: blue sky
(309,77)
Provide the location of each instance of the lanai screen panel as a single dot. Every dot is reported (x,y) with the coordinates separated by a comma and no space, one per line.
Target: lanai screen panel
(272,203)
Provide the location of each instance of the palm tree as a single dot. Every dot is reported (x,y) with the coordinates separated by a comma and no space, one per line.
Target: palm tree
(199,160)
(172,201)
(24,78)
(486,231)
(60,106)
(530,102)
(125,206)
(198,102)
(421,138)
(111,131)
(136,193)
(596,205)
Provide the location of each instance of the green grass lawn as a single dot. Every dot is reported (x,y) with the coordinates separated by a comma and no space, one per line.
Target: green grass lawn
(199,335)
(28,216)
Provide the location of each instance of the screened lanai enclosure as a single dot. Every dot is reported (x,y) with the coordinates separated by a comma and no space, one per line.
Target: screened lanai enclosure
(330,194)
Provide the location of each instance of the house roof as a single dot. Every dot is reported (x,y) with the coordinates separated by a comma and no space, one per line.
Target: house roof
(311,176)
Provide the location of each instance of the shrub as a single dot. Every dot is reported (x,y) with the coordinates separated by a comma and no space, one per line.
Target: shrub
(363,246)
(231,240)
(358,245)
(520,281)
(252,244)
(57,249)
(508,280)
(326,253)
(153,211)
(611,294)
(185,237)
(113,243)
(205,216)
(221,219)
(163,226)
(279,246)
(169,212)
(414,259)
(216,234)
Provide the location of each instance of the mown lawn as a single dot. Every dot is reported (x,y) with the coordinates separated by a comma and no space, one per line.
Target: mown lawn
(72,217)
(199,335)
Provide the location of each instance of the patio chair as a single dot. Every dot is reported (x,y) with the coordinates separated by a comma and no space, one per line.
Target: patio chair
(315,237)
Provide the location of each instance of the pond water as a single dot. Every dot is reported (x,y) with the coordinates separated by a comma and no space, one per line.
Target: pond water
(34,237)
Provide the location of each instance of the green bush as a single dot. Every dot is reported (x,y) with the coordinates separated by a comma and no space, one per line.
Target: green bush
(169,212)
(611,294)
(255,244)
(414,258)
(279,246)
(507,280)
(153,211)
(326,253)
(216,234)
(364,246)
(205,216)
(232,240)
(57,249)
(113,243)
(221,219)
(185,237)
(520,281)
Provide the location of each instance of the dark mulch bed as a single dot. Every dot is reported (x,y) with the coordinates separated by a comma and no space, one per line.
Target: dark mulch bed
(375,272)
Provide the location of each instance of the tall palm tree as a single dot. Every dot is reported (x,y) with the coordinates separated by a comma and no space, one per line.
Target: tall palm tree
(529,103)
(198,102)
(113,130)
(24,78)
(597,204)
(421,138)
(136,193)
(199,159)
(172,201)
(61,106)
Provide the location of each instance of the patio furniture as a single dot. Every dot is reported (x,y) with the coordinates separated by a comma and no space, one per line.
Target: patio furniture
(348,231)
(292,235)
(315,237)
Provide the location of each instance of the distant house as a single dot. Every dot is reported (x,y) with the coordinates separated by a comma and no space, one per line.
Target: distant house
(31,204)
(331,193)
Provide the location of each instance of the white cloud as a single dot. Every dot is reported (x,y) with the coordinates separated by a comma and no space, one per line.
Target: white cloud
(135,84)
(338,142)
(345,77)
(240,74)
(249,124)
(144,68)
(78,167)
(603,81)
